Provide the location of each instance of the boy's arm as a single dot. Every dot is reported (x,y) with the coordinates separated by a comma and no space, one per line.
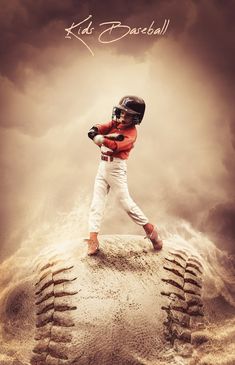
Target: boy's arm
(104,128)
(100,129)
(126,144)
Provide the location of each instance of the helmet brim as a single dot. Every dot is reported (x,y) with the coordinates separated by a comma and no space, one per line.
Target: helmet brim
(130,111)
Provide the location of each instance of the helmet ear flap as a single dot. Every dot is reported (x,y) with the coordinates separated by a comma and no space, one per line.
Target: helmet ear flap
(137,119)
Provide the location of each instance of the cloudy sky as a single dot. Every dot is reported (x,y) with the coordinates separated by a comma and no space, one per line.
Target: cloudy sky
(53,90)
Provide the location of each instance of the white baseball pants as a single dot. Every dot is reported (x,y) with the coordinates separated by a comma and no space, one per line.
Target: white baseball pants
(112,174)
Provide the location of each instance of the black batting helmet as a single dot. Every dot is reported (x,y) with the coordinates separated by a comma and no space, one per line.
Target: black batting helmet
(132,105)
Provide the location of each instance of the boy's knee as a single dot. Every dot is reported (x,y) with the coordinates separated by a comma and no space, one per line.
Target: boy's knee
(127,204)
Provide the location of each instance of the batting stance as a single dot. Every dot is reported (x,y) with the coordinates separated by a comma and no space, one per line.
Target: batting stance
(116,139)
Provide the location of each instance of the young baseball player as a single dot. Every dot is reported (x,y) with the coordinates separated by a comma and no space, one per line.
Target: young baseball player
(116,139)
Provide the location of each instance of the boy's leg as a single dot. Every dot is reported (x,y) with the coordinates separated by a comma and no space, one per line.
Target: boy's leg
(118,182)
(101,189)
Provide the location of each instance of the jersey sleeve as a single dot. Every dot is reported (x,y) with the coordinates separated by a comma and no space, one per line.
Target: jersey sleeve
(126,144)
(105,127)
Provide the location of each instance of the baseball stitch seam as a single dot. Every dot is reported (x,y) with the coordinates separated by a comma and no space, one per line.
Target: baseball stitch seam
(184,302)
(52,308)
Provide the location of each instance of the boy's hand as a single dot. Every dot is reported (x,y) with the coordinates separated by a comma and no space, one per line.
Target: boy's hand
(98,139)
(93,132)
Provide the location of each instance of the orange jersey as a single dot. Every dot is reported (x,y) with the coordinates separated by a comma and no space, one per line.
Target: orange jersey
(121,149)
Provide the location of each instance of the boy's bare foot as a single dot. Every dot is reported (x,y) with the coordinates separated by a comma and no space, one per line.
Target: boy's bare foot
(93,247)
(153,236)
(93,244)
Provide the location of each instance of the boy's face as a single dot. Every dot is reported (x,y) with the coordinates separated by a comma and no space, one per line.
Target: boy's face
(126,119)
